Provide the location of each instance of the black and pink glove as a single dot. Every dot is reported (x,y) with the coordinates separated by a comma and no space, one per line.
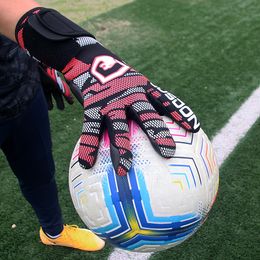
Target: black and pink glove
(113,91)
(54,87)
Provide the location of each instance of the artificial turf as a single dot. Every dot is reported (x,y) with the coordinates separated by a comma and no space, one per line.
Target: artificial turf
(204,51)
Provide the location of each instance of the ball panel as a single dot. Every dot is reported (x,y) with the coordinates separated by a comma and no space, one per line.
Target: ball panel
(159,204)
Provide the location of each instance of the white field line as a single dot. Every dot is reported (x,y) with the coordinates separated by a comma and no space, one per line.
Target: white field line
(229,136)
(224,143)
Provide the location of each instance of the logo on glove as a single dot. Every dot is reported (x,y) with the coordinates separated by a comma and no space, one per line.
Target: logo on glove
(106,68)
(180,106)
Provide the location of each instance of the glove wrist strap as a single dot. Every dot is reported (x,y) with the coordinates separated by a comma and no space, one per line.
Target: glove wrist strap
(50,37)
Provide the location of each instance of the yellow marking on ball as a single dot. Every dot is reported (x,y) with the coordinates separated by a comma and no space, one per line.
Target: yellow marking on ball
(179,183)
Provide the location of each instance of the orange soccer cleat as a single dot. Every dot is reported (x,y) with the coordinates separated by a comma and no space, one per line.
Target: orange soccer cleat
(75,237)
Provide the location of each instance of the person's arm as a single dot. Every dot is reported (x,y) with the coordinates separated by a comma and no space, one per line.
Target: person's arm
(113,91)
(11,12)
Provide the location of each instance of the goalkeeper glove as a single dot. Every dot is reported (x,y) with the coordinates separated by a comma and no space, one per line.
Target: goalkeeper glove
(112,90)
(54,86)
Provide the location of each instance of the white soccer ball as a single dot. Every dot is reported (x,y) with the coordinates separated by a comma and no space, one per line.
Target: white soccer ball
(159,204)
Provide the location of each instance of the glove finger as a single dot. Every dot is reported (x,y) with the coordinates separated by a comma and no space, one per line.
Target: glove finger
(67,93)
(62,86)
(168,104)
(76,92)
(58,99)
(48,99)
(90,137)
(154,127)
(118,132)
(46,87)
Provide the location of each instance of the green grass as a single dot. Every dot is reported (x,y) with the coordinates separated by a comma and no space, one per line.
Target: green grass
(205,51)
(232,229)
(79,10)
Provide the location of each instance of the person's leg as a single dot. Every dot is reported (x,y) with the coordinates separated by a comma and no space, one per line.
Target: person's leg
(5,128)
(26,143)
(28,150)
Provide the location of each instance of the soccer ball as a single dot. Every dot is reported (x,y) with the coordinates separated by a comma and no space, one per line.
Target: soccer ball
(159,204)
